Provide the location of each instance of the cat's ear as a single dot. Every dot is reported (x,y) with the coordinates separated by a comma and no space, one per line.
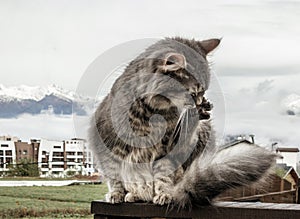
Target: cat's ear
(173,62)
(209,45)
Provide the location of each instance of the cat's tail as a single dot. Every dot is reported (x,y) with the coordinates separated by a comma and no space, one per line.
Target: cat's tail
(214,172)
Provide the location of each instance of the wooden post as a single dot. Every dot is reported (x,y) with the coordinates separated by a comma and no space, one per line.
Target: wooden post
(282,185)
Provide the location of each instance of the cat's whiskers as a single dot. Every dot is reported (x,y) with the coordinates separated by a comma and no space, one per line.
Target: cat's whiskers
(178,125)
(186,125)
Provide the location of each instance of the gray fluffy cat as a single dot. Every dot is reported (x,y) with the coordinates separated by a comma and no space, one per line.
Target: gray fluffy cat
(152,136)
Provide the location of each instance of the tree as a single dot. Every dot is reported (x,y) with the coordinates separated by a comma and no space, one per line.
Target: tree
(24,168)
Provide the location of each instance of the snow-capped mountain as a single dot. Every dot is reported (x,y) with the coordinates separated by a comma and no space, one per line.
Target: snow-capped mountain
(291,104)
(35,100)
(36,93)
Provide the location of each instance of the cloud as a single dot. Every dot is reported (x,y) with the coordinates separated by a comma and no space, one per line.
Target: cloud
(44,126)
(264,86)
(59,40)
(255,105)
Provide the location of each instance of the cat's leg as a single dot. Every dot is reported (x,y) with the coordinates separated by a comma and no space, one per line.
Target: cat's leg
(161,195)
(164,179)
(166,169)
(116,192)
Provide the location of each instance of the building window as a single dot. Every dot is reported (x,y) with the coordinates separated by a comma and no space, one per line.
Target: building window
(1,152)
(70,159)
(58,159)
(8,139)
(57,146)
(79,153)
(1,162)
(57,166)
(44,165)
(25,152)
(9,160)
(8,153)
(4,145)
(58,154)
(44,160)
(70,153)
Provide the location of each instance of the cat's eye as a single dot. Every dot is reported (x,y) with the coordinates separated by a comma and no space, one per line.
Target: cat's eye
(193,94)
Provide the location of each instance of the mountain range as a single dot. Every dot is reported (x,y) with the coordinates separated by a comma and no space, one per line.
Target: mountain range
(53,99)
(18,100)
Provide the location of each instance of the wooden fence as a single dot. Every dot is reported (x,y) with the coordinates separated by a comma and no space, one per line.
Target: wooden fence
(221,210)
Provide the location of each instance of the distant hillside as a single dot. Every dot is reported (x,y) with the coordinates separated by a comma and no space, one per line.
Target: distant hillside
(15,101)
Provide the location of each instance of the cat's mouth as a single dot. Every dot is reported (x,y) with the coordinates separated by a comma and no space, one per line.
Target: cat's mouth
(202,109)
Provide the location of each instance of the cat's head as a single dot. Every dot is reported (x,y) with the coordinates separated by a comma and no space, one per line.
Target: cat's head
(181,69)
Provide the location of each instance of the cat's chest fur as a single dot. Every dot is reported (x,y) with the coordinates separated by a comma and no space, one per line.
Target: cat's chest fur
(142,179)
(138,178)
(148,133)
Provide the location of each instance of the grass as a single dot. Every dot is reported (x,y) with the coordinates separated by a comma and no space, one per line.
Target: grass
(49,202)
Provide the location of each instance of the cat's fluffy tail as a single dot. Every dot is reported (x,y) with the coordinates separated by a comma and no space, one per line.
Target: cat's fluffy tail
(214,172)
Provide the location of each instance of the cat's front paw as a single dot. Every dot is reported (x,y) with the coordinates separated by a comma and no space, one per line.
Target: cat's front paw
(162,199)
(131,197)
(115,197)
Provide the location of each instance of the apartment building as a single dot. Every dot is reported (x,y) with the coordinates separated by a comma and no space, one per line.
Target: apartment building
(63,158)
(54,158)
(7,155)
(28,151)
(51,158)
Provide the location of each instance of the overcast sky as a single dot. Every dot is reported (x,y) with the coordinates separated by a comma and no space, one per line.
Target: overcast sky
(44,42)
(257,64)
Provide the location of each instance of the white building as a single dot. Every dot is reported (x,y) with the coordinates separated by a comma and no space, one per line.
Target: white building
(51,158)
(79,158)
(288,156)
(7,155)
(64,158)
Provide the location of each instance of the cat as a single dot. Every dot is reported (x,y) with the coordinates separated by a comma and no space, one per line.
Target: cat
(152,134)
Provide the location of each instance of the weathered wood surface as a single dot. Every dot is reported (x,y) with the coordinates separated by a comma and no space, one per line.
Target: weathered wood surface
(221,210)
(272,197)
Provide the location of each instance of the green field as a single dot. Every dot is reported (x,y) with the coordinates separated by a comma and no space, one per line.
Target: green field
(49,202)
